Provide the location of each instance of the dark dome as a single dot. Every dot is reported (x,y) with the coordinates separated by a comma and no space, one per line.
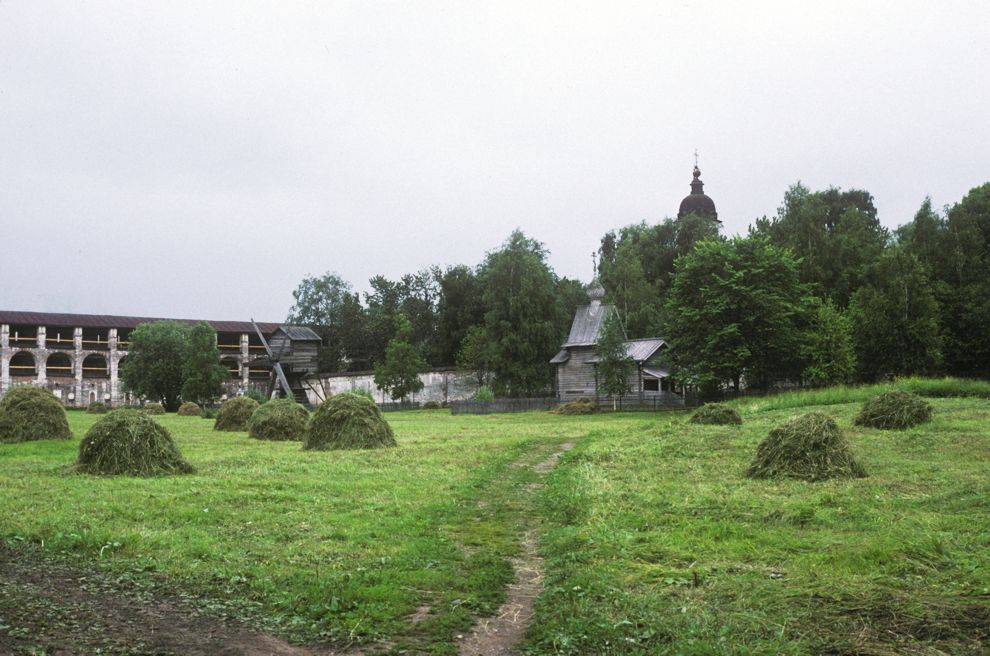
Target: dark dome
(697,202)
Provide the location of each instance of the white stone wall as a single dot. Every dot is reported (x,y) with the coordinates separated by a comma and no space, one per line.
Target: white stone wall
(438,386)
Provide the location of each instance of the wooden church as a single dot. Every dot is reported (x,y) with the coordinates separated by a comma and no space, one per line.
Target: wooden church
(576,363)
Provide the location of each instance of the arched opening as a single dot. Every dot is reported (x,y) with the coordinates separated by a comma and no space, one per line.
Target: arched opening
(95,366)
(232,365)
(22,365)
(58,365)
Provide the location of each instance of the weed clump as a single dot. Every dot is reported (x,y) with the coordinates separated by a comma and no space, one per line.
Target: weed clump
(896,410)
(281,419)
(810,448)
(32,413)
(431,405)
(189,409)
(584,406)
(130,442)
(717,414)
(235,413)
(348,421)
(154,408)
(96,408)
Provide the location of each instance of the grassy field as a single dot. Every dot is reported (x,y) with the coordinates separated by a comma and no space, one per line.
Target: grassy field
(654,541)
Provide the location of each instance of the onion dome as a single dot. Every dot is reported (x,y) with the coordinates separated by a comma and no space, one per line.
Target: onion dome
(595,290)
(697,202)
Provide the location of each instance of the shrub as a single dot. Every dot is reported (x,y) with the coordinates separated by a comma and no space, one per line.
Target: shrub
(360,391)
(810,447)
(583,406)
(716,414)
(210,413)
(154,408)
(235,413)
(96,408)
(132,443)
(281,419)
(897,410)
(257,395)
(431,405)
(32,413)
(348,421)
(190,409)
(484,393)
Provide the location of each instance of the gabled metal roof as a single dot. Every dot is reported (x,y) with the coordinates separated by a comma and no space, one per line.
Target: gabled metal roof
(638,350)
(300,334)
(113,321)
(587,324)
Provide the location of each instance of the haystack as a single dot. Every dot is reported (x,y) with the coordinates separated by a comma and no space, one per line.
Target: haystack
(717,414)
(132,443)
(348,421)
(896,410)
(189,409)
(235,413)
(154,408)
(583,406)
(97,408)
(810,447)
(32,413)
(281,419)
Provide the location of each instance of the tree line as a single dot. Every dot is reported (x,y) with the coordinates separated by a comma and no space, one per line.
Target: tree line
(820,292)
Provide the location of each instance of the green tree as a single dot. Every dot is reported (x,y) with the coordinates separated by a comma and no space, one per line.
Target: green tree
(154,365)
(203,375)
(614,365)
(319,303)
(827,348)
(736,309)
(398,374)
(521,316)
(475,353)
(897,319)
(637,265)
(835,234)
(459,308)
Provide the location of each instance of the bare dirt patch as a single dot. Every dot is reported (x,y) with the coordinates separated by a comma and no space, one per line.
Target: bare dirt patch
(60,610)
(501,633)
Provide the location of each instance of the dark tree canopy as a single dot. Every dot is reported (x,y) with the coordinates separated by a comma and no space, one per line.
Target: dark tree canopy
(154,365)
(736,310)
(203,375)
(521,316)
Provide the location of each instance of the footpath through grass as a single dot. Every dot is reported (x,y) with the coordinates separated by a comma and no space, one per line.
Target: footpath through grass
(658,544)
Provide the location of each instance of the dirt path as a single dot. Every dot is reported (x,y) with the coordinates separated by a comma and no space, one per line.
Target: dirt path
(501,633)
(59,610)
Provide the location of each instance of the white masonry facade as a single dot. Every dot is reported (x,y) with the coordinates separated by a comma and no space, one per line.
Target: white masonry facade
(77,357)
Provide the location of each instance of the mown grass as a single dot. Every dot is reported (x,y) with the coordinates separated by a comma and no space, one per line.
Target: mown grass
(839,394)
(658,544)
(338,547)
(654,540)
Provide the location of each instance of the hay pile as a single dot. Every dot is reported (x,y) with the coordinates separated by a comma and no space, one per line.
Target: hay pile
(235,413)
(154,408)
(97,408)
(281,419)
(717,414)
(582,406)
(897,410)
(190,409)
(348,421)
(32,413)
(810,447)
(130,442)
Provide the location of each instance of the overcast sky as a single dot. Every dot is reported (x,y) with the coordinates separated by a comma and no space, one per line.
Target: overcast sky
(197,160)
